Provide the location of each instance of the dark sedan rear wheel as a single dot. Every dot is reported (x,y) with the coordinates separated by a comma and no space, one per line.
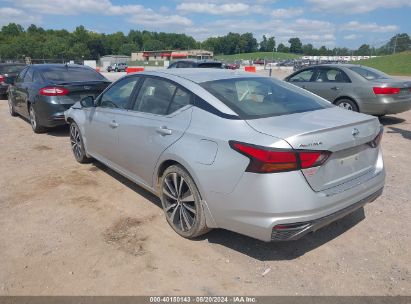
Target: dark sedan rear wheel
(34,121)
(347,104)
(11,106)
(77,145)
(182,203)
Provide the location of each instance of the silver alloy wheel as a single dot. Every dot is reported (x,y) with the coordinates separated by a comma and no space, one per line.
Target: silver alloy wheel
(32,118)
(75,141)
(346,105)
(180,207)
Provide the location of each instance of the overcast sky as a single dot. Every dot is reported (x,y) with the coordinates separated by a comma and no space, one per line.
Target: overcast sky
(320,22)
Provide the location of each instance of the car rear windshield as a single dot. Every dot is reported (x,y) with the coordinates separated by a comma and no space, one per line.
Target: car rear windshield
(369,73)
(257,97)
(8,69)
(70,74)
(216,65)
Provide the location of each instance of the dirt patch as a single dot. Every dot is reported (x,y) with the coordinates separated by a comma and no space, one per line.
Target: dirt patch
(42,148)
(85,201)
(77,178)
(128,235)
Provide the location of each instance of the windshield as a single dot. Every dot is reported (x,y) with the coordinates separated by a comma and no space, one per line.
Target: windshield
(70,74)
(369,73)
(263,97)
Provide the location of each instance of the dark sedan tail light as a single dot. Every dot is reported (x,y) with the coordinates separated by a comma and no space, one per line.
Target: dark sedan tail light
(2,79)
(269,160)
(386,90)
(53,91)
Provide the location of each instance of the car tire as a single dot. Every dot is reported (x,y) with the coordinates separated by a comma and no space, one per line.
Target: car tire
(347,104)
(77,144)
(181,202)
(34,121)
(11,106)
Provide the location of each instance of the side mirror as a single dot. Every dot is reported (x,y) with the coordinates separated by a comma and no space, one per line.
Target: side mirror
(87,102)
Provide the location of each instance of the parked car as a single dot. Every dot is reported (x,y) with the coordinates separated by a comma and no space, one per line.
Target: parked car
(238,151)
(354,87)
(117,67)
(8,73)
(196,64)
(232,66)
(42,92)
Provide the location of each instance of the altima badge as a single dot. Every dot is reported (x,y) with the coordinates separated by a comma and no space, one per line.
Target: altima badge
(355,132)
(87,88)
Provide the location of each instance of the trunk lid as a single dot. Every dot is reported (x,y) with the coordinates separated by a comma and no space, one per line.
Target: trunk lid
(345,133)
(79,90)
(404,86)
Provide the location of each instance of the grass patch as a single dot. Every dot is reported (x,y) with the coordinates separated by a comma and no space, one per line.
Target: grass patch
(397,64)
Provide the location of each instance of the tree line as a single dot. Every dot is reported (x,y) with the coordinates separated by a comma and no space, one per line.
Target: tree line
(17,42)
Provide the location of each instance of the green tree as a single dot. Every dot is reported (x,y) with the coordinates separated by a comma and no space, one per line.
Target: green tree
(363,50)
(282,48)
(295,45)
(271,44)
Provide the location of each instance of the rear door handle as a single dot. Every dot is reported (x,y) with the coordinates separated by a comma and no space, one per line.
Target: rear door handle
(113,124)
(164,131)
(304,87)
(335,88)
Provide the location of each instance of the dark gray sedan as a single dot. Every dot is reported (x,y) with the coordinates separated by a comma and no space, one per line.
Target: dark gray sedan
(357,88)
(42,92)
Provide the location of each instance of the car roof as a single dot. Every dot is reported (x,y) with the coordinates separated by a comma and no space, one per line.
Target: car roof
(198,60)
(57,65)
(202,75)
(335,65)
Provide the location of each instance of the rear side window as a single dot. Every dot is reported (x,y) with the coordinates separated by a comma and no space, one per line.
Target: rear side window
(215,65)
(20,77)
(256,97)
(184,64)
(118,96)
(331,75)
(303,76)
(70,74)
(155,96)
(29,76)
(368,73)
(181,99)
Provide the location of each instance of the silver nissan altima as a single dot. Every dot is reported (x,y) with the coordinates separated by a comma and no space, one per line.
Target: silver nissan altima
(233,150)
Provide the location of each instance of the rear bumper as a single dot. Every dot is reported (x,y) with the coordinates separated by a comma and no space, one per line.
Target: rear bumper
(296,231)
(260,202)
(385,105)
(50,114)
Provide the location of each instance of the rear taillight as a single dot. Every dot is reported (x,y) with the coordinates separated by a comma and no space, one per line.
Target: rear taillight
(376,141)
(385,90)
(2,78)
(53,91)
(269,160)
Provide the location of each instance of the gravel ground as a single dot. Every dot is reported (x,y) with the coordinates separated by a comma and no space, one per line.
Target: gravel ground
(71,229)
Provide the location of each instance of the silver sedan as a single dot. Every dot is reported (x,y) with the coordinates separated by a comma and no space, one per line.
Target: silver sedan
(227,149)
(357,88)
